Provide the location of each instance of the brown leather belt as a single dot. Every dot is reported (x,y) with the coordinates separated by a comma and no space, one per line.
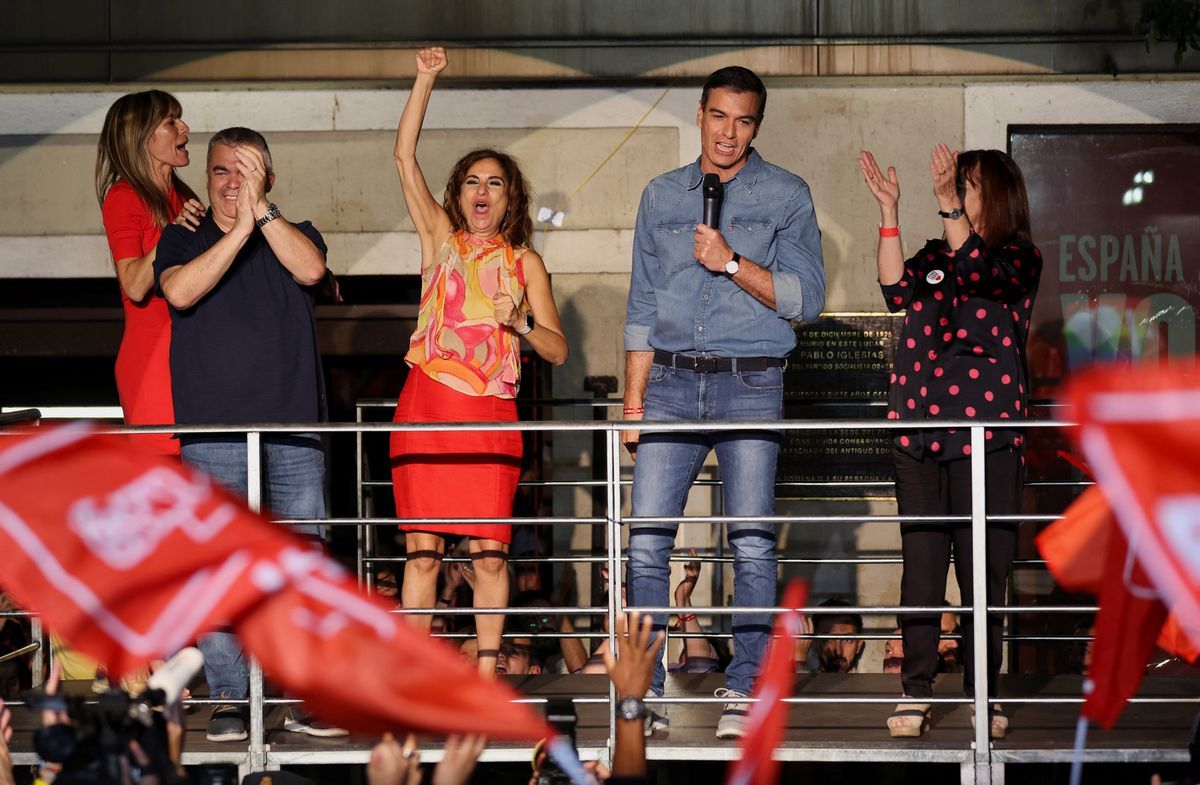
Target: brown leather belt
(691,362)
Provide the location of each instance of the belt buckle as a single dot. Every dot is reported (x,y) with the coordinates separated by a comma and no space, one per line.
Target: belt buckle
(706,365)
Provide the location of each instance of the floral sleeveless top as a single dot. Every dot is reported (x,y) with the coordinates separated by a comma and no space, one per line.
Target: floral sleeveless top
(458,341)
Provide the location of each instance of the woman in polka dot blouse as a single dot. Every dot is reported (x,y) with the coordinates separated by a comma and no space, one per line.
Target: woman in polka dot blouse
(961,356)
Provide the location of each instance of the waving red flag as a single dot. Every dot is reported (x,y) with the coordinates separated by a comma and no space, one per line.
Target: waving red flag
(130,556)
(776,679)
(1140,433)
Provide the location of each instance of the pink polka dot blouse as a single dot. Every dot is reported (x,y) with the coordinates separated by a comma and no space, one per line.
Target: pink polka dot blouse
(961,352)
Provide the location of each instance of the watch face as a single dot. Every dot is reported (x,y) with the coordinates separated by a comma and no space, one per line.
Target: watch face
(631,708)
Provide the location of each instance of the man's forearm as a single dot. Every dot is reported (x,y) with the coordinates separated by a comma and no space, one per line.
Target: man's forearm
(756,281)
(187,284)
(295,252)
(637,374)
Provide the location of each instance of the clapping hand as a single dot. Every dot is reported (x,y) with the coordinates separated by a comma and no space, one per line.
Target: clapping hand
(886,190)
(943,168)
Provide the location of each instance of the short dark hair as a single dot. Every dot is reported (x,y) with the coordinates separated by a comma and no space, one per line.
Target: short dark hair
(739,80)
(1004,204)
(238,136)
(826,620)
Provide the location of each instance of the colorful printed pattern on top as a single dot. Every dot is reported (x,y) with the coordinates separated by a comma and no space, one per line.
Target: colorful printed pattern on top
(961,353)
(458,341)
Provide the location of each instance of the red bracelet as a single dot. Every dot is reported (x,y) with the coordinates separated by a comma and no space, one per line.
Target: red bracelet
(635,410)
(686,619)
(889,231)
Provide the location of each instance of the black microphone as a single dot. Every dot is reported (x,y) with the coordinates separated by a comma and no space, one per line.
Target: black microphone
(714,192)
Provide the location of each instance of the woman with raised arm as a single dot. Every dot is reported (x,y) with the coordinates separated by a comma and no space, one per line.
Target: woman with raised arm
(483,291)
(142,142)
(961,356)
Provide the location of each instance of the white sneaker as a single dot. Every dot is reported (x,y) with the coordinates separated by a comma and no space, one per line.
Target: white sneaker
(732,724)
(655,722)
(296,721)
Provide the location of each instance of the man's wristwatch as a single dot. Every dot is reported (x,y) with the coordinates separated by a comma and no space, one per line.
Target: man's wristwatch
(270,215)
(734,264)
(631,707)
(526,326)
(953,215)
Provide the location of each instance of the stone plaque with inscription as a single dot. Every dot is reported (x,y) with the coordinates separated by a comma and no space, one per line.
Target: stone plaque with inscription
(839,370)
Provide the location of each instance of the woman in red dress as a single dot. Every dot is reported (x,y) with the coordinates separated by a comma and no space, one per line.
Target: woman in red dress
(483,290)
(142,142)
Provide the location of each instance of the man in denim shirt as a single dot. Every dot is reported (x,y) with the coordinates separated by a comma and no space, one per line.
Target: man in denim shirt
(708,326)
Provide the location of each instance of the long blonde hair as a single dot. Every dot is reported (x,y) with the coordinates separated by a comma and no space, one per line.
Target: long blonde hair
(121,151)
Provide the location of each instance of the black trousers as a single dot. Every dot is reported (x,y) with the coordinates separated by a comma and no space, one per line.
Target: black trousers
(929,487)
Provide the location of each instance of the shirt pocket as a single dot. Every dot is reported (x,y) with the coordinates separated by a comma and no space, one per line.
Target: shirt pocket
(675,241)
(751,237)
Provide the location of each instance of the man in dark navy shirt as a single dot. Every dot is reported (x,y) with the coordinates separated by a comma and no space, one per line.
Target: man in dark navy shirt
(244,350)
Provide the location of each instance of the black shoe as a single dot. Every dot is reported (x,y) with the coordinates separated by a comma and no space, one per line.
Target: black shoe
(227,724)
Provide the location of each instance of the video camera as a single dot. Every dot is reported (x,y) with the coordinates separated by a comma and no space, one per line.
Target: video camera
(96,747)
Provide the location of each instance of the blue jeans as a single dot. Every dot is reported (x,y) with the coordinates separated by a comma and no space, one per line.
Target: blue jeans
(293,469)
(667,465)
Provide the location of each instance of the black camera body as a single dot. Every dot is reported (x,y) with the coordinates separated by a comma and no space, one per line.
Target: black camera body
(94,749)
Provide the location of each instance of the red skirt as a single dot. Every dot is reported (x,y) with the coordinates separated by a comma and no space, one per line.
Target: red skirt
(454,474)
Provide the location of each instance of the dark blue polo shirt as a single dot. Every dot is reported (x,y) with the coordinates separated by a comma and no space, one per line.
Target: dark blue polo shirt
(247,352)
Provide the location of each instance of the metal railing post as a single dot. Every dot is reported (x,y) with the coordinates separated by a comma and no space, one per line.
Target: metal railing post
(258,750)
(364,575)
(983,756)
(615,601)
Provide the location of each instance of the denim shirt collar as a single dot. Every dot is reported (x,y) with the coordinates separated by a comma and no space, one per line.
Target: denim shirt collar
(747,176)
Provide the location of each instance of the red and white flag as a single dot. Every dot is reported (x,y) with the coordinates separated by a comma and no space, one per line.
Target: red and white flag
(130,556)
(776,679)
(1140,434)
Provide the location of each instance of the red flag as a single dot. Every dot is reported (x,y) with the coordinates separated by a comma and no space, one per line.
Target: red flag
(1126,628)
(1140,433)
(130,556)
(1074,547)
(362,668)
(125,555)
(767,718)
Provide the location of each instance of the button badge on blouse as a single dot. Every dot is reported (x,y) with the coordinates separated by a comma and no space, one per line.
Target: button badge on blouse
(935,277)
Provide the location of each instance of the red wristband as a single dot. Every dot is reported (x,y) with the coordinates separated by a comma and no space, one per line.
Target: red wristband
(889,231)
(635,410)
(686,619)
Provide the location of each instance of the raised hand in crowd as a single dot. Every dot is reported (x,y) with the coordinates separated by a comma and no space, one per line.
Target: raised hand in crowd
(6,731)
(393,764)
(803,645)
(630,673)
(691,574)
(694,648)
(459,757)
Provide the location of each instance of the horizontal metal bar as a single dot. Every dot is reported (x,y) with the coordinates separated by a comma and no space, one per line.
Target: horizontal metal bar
(592,425)
(955,39)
